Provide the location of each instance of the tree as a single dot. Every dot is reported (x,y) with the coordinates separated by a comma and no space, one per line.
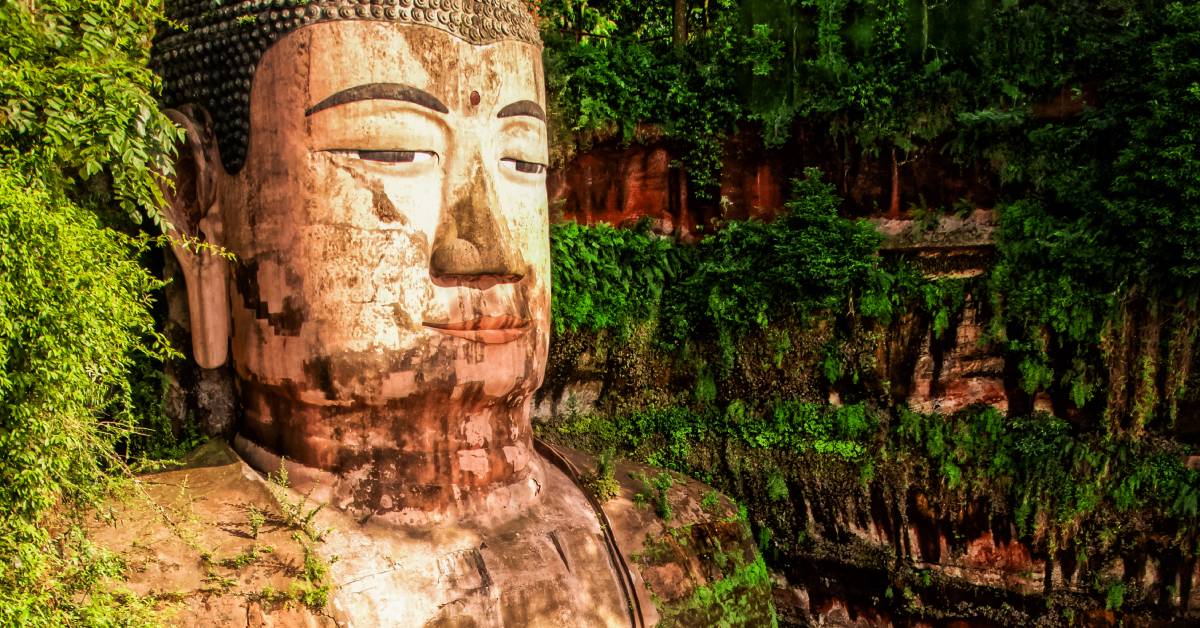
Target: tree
(680,34)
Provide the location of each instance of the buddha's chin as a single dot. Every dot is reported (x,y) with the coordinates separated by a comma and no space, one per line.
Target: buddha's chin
(399,395)
(461,367)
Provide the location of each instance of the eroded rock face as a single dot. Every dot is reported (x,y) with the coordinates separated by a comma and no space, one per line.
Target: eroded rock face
(619,186)
(958,367)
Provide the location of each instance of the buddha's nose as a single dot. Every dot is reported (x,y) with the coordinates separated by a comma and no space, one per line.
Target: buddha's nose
(471,246)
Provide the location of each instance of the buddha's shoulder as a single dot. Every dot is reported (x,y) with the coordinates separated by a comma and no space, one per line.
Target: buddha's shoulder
(688,547)
(206,543)
(215,543)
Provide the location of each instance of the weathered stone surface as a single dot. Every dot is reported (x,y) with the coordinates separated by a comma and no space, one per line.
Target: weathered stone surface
(176,528)
(195,396)
(594,179)
(975,230)
(387,315)
(548,565)
(622,186)
(958,371)
(960,368)
(752,189)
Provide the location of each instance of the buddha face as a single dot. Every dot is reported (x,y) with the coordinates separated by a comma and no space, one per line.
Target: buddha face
(388,309)
(390,221)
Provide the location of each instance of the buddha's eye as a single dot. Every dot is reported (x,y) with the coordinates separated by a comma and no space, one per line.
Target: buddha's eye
(528,167)
(396,156)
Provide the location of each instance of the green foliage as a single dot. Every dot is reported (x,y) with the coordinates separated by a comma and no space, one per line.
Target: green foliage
(611,65)
(81,143)
(852,67)
(1102,253)
(606,278)
(879,74)
(299,514)
(736,590)
(745,277)
(805,427)
(777,490)
(655,492)
(73,319)
(1053,478)
(313,590)
(942,299)
(79,100)
(751,273)
(727,602)
(248,557)
(603,483)
(1114,597)
(664,436)
(296,509)
(255,518)
(73,583)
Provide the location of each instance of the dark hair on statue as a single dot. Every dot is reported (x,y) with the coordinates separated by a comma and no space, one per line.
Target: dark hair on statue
(209,55)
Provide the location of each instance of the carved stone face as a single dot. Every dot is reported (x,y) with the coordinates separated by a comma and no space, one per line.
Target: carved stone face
(393,198)
(390,299)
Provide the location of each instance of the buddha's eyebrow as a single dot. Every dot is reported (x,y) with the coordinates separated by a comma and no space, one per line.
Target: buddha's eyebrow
(381,91)
(523,108)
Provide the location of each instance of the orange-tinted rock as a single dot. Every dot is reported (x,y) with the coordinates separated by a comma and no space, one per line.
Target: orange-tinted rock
(751,189)
(621,186)
(618,183)
(959,368)
(1068,103)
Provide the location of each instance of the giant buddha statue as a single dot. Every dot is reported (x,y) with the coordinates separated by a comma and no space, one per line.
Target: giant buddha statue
(377,168)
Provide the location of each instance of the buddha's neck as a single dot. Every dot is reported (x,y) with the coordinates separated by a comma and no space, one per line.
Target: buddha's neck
(414,459)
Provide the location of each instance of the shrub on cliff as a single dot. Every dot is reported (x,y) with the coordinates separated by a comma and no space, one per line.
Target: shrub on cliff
(606,278)
(751,273)
(1097,274)
(73,316)
(81,140)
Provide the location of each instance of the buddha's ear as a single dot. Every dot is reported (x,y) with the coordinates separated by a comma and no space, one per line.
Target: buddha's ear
(194,212)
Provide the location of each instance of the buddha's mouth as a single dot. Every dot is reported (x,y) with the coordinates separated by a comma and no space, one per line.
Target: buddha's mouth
(491,330)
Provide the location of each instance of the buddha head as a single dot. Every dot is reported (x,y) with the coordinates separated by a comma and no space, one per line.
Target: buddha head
(377,170)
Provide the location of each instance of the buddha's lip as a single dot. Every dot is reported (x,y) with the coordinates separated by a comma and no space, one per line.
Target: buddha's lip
(492,330)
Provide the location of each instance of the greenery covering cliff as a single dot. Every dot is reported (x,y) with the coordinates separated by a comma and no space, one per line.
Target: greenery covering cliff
(721,359)
(80,139)
(1095,283)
